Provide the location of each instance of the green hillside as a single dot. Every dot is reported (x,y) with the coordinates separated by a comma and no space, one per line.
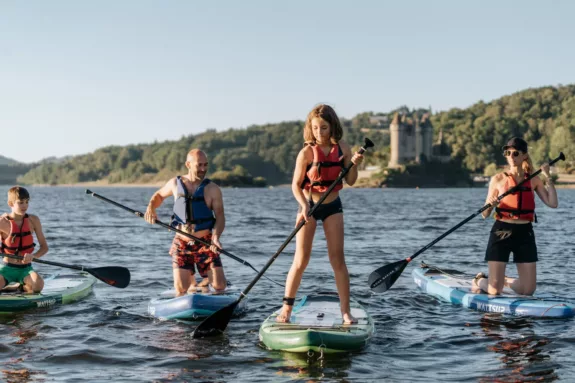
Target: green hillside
(8,161)
(262,154)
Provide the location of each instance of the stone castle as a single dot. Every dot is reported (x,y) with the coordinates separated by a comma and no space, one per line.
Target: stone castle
(411,140)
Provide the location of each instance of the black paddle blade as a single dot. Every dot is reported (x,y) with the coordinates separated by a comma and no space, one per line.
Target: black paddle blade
(383,278)
(216,323)
(113,275)
(368,143)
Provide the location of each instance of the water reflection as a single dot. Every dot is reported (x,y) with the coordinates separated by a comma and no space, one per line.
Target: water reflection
(312,365)
(526,357)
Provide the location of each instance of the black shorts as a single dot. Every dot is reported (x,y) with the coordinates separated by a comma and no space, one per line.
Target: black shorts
(506,238)
(326,209)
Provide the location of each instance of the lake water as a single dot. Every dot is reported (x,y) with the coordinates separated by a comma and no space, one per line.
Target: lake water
(109,336)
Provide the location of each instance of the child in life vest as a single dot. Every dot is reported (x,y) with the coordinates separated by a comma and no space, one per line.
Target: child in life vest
(16,232)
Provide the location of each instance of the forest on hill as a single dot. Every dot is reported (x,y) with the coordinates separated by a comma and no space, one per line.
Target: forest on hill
(265,154)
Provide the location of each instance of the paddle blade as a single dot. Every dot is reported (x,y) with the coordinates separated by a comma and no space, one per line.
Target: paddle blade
(113,275)
(216,323)
(383,278)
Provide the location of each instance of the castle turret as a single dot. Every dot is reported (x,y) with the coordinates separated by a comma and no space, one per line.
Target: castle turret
(418,139)
(396,138)
(427,136)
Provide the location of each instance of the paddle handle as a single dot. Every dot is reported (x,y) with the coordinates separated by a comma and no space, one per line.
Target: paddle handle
(19,257)
(368,144)
(512,190)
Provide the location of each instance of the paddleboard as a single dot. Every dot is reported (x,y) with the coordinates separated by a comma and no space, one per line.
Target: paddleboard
(454,287)
(191,307)
(316,325)
(58,290)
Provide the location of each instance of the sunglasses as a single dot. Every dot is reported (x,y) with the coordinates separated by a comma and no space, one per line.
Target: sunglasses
(513,153)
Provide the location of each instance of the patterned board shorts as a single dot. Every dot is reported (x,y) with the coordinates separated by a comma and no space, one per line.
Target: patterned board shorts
(186,253)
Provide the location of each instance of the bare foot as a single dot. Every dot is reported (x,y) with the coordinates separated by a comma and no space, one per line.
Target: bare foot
(509,281)
(348,319)
(285,315)
(475,283)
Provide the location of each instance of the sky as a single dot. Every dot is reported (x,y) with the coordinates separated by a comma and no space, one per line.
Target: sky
(77,75)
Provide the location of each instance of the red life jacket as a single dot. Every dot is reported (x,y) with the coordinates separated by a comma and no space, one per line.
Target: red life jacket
(324,169)
(20,240)
(518,205)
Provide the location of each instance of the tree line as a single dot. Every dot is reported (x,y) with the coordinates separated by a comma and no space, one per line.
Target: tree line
(265,154)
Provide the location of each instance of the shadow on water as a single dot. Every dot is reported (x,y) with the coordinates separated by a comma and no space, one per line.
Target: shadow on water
(524,355)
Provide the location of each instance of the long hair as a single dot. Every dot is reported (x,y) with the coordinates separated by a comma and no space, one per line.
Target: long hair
(527,165)
(326,113)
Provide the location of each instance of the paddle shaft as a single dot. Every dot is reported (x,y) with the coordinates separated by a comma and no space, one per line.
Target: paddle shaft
(175,230)
(298,227)
(19,257)
(512,190)
(115,276)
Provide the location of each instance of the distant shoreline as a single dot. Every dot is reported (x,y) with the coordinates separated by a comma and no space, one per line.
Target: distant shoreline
(565,181)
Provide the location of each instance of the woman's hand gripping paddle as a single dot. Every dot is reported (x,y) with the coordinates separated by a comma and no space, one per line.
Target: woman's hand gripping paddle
(217,322)
(383,278)
(183,233)
(113,275)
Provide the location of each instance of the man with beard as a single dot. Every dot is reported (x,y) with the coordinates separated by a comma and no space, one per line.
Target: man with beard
(199,211)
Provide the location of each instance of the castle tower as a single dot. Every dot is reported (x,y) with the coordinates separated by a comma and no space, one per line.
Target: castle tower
(419,150)
(396,139)
(427,136)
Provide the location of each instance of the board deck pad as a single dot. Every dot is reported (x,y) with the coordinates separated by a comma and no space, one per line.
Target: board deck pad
(457,289)
(196,306)
(316,324)
(58,289)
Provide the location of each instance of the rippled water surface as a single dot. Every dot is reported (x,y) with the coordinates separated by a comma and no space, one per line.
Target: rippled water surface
(109,336)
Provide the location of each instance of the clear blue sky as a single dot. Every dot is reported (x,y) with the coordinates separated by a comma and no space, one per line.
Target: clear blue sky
(79,75)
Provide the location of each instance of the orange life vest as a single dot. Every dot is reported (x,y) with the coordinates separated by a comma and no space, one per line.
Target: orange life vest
(20,240)
(518,205)
(324,169)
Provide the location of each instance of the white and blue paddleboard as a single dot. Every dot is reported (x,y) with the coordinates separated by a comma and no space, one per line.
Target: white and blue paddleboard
(191,307)
(453,287)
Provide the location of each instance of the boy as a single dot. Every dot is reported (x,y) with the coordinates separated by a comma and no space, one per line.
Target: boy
(16,229)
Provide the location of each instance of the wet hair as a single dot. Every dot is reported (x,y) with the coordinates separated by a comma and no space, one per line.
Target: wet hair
(18,193)
(326,113)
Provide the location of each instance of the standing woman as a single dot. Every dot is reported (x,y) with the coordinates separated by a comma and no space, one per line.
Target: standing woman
(318,165)
(512,230)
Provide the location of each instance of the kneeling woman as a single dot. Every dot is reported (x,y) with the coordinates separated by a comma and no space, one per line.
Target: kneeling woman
(512,231)
(318,165)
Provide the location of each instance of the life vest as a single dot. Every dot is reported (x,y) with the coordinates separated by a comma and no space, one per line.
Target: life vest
(324,170)
(20,240)
(517,205)
(192,209)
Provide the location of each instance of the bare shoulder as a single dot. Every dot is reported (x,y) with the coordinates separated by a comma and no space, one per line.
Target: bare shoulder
(4,222)
(498,178)
(344,145)
(345,148)
(306,153)
(35,220)
(213,187)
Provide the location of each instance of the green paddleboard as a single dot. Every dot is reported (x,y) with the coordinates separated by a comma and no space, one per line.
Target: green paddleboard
(58,290)
(316,325)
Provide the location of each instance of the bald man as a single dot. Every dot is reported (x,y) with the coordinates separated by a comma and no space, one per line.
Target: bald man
(198,210)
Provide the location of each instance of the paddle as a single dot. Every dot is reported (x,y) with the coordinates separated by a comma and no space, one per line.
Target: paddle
(175,230)
(113,275)
(218,321)
(383,278)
